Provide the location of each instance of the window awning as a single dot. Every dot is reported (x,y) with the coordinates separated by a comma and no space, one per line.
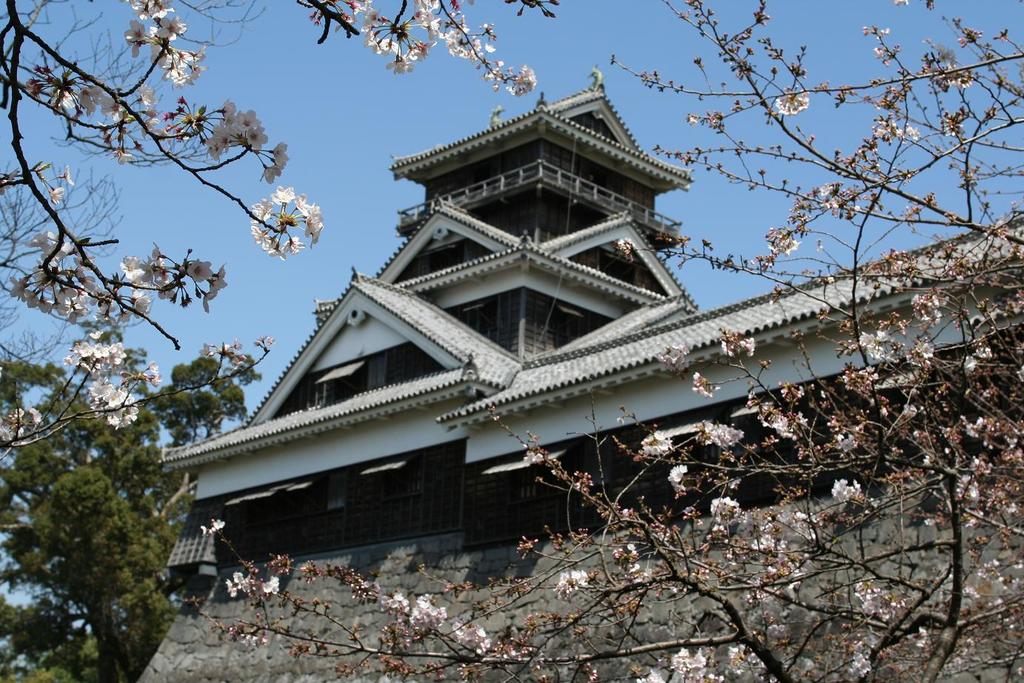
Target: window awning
(343,371)
(743,411)
(267,492)
(520,464)
(570,311)
(386,467)
(680,430)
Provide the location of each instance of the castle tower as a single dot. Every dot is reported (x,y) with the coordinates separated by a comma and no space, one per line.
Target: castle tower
(565,182)
(537,242)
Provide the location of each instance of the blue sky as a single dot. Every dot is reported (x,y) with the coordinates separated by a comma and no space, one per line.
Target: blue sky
(344,117)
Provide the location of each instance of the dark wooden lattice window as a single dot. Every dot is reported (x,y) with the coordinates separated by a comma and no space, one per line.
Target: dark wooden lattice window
(560,157)
(439,258)
(606,259)
(495,317)
(505,500)
(551,323)
(406,495)
(343,381)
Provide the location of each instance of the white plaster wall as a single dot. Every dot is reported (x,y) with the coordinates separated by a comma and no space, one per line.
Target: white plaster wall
(354,341)
(365,441)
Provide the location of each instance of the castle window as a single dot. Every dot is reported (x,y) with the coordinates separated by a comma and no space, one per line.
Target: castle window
(610,262)
(511,498)
(439,258)
(337,483)
(406,495)
(333,385)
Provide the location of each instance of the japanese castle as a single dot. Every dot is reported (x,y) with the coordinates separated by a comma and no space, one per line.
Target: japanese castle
(531,285)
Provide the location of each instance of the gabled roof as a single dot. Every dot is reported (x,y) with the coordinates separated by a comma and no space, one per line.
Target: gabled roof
(424,323)
(544,119)
(558,244)
(361,407)
(644,317)
(593,100)
(495,365)
(527,251)
(450,217)
(610,355)
(619,226)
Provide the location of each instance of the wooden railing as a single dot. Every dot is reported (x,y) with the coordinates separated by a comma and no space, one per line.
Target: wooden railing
(540,173)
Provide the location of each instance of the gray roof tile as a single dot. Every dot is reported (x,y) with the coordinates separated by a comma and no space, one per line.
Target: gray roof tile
(535,253)
(278,427)
(535,117)
(494,364)
(614,353)
(193,546)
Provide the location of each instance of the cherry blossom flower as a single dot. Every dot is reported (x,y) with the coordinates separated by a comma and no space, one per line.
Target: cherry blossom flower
(733,344)
(781,241)
(425,615)
(471,636)
(674,357)
(720,435)
(215,526)
(656,445)
(535,455)
(273,218)
(694,667)
(724,509)
(570,581)
(676,476)
(792,103)
(844,491)
(703,386)
(396,604)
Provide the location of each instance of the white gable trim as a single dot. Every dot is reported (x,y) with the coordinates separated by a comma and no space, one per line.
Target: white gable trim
(354,300)
(626,231)
(427,236)
(604,111)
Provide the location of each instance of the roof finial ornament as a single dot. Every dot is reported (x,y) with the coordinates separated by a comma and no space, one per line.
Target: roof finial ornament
(496,115)
(596,79)
(541,102)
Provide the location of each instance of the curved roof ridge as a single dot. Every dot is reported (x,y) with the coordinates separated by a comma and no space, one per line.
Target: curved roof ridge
(441,338)
(678,172)
(456,213)
(532,249)
(689,320)
(361,402)
(612,221)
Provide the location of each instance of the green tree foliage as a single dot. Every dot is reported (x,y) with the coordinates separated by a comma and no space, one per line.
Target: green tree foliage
(89,517)
(191,416)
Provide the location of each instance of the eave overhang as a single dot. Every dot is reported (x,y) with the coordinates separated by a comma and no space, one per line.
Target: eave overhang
(449,385)
(541,123)
(530,257)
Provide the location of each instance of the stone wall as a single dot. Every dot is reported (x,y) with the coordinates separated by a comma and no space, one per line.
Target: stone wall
(194,651)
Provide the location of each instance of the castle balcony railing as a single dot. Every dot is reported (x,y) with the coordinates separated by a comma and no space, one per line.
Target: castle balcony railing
(539,174)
